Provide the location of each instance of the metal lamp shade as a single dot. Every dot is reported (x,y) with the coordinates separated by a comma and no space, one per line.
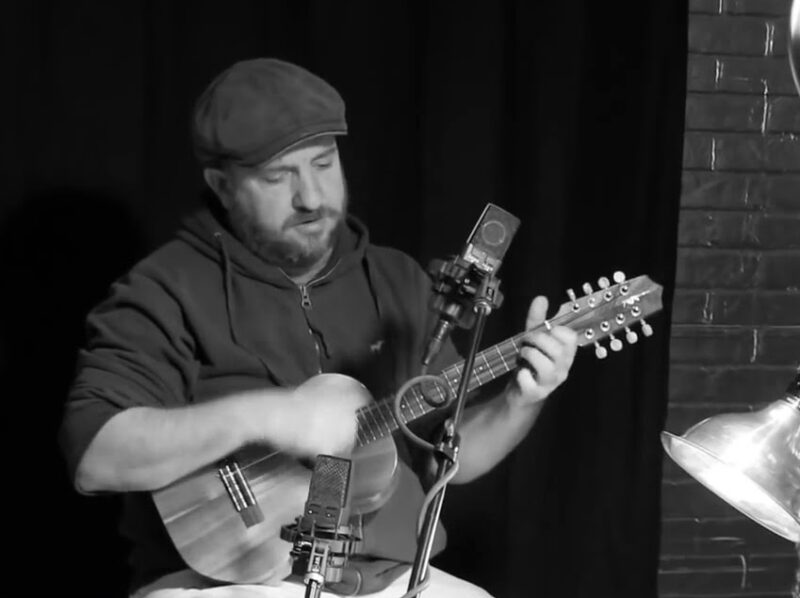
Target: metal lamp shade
(794,42)
(750,460)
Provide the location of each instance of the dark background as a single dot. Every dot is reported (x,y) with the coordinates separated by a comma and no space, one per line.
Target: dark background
(569,115)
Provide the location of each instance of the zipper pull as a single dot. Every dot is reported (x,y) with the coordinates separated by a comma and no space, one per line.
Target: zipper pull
(305,300)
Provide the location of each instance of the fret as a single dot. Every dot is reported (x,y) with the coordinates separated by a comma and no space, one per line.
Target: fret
(482,355)
(482,368)
(404,410)
(505,365)
(377,415)
(412,401)
(492,370)
(441,396)
(361,437)
(509,355)
(391,417)
(420,401)
(384,429)
(511,349)
(451,385)
(387,413)
(371,426)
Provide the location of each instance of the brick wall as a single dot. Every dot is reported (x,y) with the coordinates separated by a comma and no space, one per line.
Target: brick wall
(736,315)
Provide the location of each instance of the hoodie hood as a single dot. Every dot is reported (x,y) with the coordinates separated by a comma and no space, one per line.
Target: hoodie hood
(206,231)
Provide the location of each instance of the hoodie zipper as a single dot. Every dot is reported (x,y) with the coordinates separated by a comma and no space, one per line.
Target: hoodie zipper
(305,298)
(305,303)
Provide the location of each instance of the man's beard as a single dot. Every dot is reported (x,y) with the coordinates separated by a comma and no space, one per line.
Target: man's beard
(292,254)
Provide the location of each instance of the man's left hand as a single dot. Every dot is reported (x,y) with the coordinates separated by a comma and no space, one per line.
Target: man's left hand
(545,358)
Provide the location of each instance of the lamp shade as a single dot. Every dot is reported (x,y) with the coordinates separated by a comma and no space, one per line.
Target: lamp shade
(750,460)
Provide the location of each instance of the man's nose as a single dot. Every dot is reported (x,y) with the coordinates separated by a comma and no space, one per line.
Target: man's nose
(308,192)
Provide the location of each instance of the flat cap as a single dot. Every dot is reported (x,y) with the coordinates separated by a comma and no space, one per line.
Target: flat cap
(258,108)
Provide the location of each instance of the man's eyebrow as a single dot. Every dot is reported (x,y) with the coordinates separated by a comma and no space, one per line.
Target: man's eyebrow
(326,152)
(286,168)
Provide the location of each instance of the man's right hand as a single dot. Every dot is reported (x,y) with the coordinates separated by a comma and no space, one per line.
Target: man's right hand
(319,417)
(146,448)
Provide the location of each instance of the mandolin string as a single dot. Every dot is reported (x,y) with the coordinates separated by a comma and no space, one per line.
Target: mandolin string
(494,361)
(502,359)
(497,364)
(490,363)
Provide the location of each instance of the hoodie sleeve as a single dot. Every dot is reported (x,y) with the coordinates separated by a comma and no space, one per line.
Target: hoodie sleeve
(137,353)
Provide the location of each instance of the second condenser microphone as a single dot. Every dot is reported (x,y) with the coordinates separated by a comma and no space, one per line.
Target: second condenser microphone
(322,537)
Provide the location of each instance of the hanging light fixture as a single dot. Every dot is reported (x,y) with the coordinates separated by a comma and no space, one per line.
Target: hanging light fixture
(750,460)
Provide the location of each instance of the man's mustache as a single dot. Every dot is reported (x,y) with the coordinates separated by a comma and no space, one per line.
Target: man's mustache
(303,217)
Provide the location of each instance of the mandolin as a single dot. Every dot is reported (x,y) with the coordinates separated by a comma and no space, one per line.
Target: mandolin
(225,519)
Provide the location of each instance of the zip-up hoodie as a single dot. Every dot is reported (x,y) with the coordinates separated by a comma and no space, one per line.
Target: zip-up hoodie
(202,317)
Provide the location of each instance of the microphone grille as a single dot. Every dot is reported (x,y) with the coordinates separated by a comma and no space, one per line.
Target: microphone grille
(330,482)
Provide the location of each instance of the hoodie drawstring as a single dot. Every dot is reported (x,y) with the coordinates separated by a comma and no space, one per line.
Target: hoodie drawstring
(371,284)
(229,307)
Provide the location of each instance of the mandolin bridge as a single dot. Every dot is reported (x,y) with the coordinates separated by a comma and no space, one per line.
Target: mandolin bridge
(239,492)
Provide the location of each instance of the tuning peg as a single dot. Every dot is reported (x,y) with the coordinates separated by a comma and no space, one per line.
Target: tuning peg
(647,330)
(600,351)
(619,277)
(616,344)
(603,282)
(630,335)
(587,288)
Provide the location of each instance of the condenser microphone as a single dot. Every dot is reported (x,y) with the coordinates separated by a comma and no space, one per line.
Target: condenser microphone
(322,539)
(489,240)
(457,280)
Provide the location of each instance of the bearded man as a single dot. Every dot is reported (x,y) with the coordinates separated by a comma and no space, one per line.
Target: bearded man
(216,341)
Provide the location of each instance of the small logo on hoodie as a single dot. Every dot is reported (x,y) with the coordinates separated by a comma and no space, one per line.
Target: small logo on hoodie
(376,347)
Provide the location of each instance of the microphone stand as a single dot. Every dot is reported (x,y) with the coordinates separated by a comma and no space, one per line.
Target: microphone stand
(317,568)
(446,450)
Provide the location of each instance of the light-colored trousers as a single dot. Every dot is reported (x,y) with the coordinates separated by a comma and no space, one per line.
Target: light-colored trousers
(187,584)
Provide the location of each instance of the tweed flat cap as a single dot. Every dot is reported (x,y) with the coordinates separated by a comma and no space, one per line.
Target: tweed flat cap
(258,108)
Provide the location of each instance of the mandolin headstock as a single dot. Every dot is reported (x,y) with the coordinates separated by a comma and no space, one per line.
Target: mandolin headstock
(618,308)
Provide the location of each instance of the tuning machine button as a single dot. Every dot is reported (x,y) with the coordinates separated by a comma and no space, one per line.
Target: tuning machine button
(630,335)
(587,288)
(647,330)
(616,344)
(600,351)
(619,277)
(603,282)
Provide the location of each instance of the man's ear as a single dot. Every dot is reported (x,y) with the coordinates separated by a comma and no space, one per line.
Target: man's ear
(220,185)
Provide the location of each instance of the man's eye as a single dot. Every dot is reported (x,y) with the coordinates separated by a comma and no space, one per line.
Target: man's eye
(273,177)
(323,164)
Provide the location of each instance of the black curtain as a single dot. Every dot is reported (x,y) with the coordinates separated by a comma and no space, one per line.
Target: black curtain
(569,115)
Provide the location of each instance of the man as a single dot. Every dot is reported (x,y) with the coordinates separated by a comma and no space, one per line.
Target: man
(214,341)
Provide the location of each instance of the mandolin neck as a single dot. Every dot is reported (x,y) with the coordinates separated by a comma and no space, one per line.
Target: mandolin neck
(378,420)
(597,315)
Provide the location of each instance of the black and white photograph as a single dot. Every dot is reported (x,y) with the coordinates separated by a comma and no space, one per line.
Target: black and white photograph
(401,298)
